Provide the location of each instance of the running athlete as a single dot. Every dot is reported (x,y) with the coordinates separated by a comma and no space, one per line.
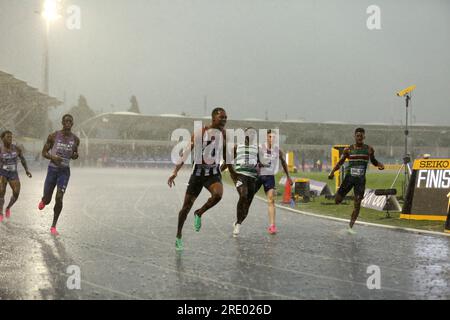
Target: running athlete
(60,148)
(358,155)
(9,154)
(246,168)
(205,174)
(270,154)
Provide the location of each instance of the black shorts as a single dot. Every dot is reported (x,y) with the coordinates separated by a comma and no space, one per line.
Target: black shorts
(357,183)
(248,183)
(267,181)
(196,183)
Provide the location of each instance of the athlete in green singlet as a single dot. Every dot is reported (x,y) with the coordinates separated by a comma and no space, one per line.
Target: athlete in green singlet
(358,156)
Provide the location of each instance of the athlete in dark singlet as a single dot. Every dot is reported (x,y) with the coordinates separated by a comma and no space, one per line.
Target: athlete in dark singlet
(9,155)
(204,175)
(60,148)
(358,155)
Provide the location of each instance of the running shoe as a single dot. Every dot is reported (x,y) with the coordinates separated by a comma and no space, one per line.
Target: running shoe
(8,213)
(351,231)
(179,244)
(53,231)
(197,222)
(236,229)
(272,229)
(41,205)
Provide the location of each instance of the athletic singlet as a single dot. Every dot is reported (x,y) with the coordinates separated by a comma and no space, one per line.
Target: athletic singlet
(208,144)
(8,160)
(357,161)
(269,161)
(63,147)
(246,160)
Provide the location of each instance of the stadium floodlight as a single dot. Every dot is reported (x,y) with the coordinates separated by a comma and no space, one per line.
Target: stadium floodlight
(406,91)
(50,10)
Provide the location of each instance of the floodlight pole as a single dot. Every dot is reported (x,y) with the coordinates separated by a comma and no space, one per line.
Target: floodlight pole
(406,158)
(407,98)
(46,76)
(50,13)
(46,57)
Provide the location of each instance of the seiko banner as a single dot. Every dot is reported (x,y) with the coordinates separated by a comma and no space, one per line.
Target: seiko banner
(426,197)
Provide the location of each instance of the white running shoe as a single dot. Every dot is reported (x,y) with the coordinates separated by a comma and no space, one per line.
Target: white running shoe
(236,229)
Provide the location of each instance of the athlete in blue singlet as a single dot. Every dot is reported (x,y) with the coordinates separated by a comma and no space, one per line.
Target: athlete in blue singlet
(60,148)
(9,156)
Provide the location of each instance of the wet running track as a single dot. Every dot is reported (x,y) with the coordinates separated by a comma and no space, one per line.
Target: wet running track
(118,230)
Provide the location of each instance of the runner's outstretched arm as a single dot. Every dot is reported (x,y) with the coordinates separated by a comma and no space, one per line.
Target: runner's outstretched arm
(230,167)
(186,152)
(374,161)
(341,161)
(24,162)
(75,149)
(47,147)
(225,155)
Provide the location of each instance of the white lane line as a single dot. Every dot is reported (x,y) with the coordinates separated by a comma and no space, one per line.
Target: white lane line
(411,230)
(312,254)
(245,261)
(285,269)
(341,220)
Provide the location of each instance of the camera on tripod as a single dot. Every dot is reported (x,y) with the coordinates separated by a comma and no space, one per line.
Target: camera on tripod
(407,159)
(407,93)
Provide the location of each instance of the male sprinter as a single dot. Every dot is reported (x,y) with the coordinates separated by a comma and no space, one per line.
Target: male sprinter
(246,168)
(60,148)
(204,175)
(270,154)
(9,155)
(358,155)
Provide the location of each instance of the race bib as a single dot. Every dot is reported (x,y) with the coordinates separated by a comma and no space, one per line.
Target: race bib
(267,160)
(65,158)
(65,162)
(208,166)
(357,172)
(249,164)
(9,167)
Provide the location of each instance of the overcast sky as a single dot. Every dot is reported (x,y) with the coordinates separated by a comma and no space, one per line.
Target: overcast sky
(303,59)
